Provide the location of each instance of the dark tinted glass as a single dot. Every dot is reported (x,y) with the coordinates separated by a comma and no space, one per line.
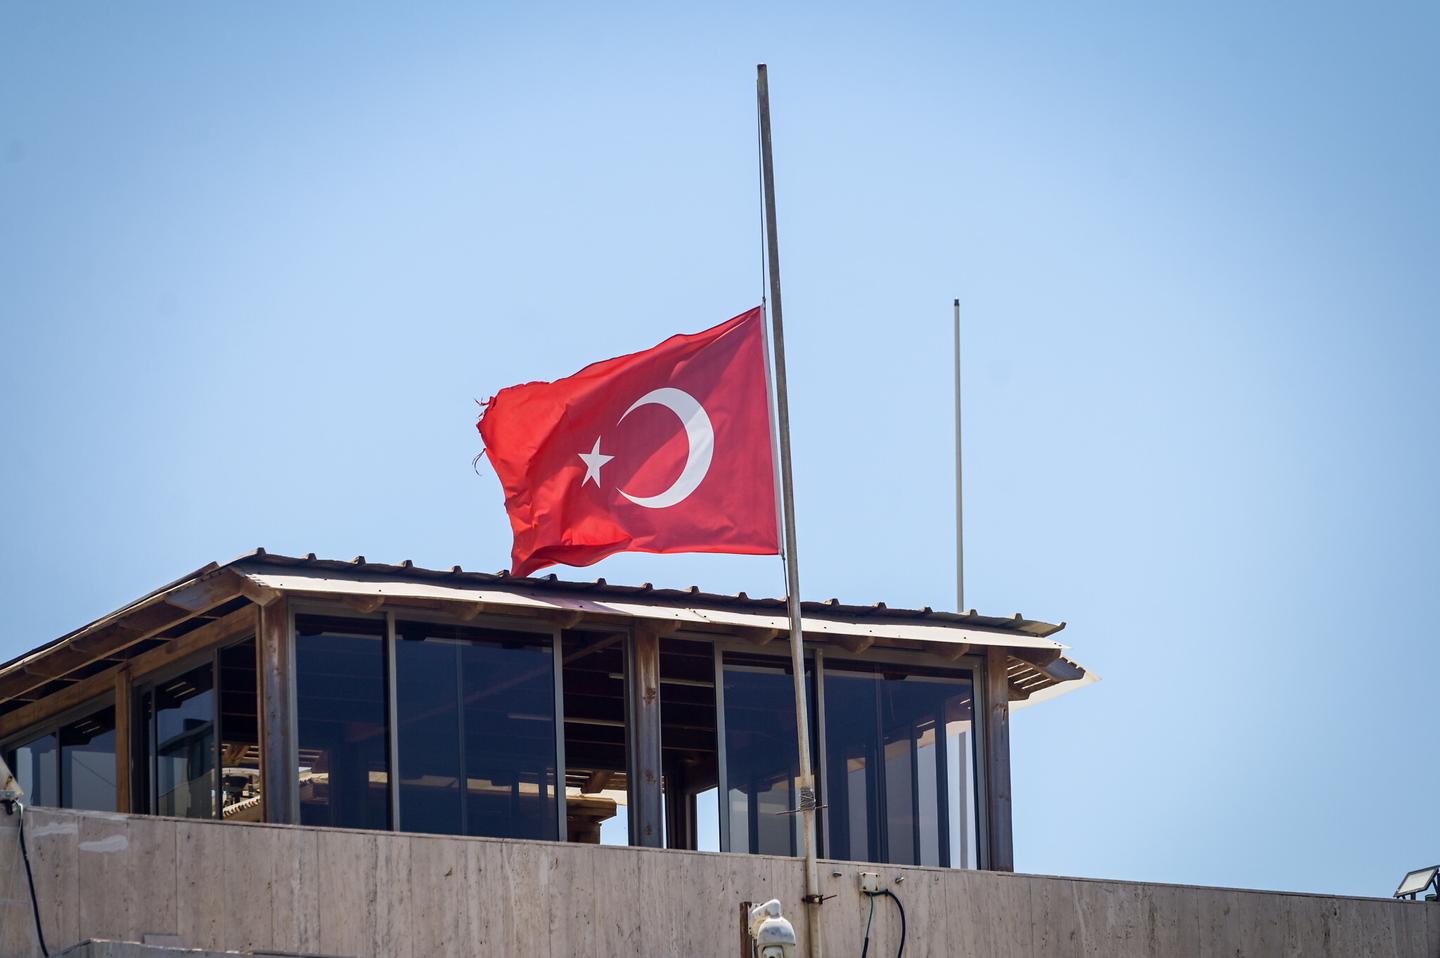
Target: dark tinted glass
(87,762)
(184,750)
(762,770)
(341,713)
(427,706)
(899,764)
(476,713)
(508,690)
(240,785)
(34,766)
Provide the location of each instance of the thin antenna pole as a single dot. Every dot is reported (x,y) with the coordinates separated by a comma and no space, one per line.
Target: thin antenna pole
(959,486)
(806,798)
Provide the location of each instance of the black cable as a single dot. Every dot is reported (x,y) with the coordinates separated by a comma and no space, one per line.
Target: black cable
(29,878)
(865,948)
(872,895)
(896,899)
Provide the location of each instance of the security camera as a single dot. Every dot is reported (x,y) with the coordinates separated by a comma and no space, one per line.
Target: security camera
(10,790)
(774,937)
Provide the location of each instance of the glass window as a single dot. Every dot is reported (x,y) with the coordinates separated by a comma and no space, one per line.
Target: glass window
(87,762)
(761,765)
(35,769)
(476,733)
(689,760)
(596,747)
(341,705)
(899,763)
(182,711)
(240,786)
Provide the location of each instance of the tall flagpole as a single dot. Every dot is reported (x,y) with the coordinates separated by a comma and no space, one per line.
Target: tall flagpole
(959,494)
(806,802)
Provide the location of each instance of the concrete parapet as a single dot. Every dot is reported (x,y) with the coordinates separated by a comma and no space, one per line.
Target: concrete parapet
(272,889)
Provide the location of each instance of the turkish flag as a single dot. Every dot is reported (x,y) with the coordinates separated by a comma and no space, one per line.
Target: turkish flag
(667,450)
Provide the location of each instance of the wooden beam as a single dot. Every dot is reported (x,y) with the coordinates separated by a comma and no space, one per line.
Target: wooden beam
(1036,657)
(857,643)
(276,688)
(124,714)
(645,800)
(956,652)
(210,634)
(210,592)
(1000,835)
(364,604)
(763,636)
(122,631)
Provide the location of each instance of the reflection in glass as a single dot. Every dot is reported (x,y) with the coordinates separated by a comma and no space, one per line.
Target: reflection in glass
(240,784)
(899,761)
(476,714)
(341,708)
(508,690)
(87,762)
(761,769)
(35,769)
(427,709)
(184,749)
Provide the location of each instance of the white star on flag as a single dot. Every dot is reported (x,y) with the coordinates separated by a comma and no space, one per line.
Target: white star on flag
(594,459)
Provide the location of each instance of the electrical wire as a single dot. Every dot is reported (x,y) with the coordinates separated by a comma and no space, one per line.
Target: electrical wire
(30,879)
(872,895)
(865,948)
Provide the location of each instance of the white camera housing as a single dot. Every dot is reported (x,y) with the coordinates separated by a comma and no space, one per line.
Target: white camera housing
(773,935)
(10,790)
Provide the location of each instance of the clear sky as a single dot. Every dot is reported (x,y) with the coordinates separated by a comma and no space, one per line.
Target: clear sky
(257,261)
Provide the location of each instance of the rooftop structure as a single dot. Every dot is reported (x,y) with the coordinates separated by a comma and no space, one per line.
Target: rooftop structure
(365,695)
(350,758)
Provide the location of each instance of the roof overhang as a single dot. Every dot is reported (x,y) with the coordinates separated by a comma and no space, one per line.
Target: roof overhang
(1037,668)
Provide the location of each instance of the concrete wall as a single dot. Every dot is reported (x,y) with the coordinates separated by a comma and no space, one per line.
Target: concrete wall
(332,892)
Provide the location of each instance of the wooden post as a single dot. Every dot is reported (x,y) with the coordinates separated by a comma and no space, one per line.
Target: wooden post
(279,761)
(124,747)
(645,800)
(1001,843)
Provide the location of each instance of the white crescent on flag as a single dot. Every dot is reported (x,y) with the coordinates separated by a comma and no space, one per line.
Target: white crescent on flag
(699,433)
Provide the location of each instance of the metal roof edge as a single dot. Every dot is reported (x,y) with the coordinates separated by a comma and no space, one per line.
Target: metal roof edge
(359,566)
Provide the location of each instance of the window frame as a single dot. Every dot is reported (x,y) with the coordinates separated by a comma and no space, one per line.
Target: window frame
(499,622)
(53,725)
(148,683)
(815,656)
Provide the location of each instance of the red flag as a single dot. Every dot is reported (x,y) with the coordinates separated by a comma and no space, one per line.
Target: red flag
(667,450)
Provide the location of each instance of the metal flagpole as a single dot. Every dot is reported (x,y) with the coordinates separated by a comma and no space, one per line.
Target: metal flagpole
(959,493)
(806,798)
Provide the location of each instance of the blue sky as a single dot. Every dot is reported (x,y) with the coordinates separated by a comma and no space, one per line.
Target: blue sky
(257,262)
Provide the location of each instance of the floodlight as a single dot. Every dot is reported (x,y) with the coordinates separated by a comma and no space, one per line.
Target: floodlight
(1417,881)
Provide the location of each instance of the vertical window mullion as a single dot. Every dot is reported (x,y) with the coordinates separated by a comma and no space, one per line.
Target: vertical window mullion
(215,749)
(818,698)
(722,785)
(915,794)
(881,814)
(463,758)
(392,726)
(942,787)
(558,717)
